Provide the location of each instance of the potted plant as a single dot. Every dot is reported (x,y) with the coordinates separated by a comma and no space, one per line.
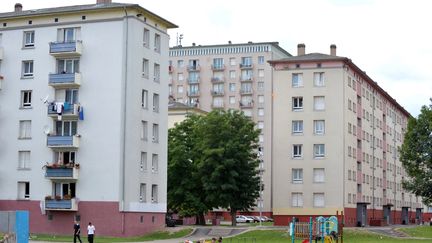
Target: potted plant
(48,197)
(67,197)
(57,197)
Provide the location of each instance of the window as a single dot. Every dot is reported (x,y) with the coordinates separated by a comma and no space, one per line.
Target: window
(180,63)
(155,163)
(246,62)
(318,200)
(218,63)
(24,129)
(297,80)
(261,125)
(319,79)
(218,102)
(232,61)
(144,99)
(319,127)
(260,99)
(232,87)
(71,96)
(260,59)
(154,194)
(261,73)
(146,38)
(297,103)
(23,159)
(260,86)
(193,89)
(67,66)
(232,74)
(27,69)
(180,89)
(157,43)
(144,130)
(319,150)
(297,176)
(145,68)
(67,34)
(232,100)
(143,189)
(23,190)
(297,127)
(318,175)
(155,137)
(319,104)
(66,128)
(29,37)
(156,73)
(260,112)
(260,137)
(297,199)
(297,151)
(155,102)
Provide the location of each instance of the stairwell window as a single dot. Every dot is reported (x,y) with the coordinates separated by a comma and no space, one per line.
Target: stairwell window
(23,190)
(23,159)
(155,163)
(156,71)
(29,39)
(25,129)
(157,43)
(144,130)
(143,161)
(144,99)
(154,193)
(145,68)
(156,102)
(27,69)
(146,38)
(143,192)
(155,137)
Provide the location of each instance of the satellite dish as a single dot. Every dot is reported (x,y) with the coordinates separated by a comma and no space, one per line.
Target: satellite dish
(45,100)
(46,129)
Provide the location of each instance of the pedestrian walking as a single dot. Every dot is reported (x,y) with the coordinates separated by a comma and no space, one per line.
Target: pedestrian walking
(90,232)
(77,232)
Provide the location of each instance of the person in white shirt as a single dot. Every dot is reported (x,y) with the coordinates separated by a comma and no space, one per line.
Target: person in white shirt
(90,232)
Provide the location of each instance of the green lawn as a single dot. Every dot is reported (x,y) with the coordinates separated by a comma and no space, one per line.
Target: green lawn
(150,237)
(350,236)
(420,231)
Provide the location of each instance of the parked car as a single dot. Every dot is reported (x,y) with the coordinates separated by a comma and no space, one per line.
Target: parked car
(267,219)
(258,219)
(243,219)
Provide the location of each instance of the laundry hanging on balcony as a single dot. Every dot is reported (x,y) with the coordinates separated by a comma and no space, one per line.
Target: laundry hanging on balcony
(81,112)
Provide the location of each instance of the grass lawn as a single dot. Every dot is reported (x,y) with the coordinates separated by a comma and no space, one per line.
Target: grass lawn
(420,231)
(150,237)
(350,236)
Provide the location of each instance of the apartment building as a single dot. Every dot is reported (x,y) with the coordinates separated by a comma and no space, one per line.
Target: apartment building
(83,118)
(335,144)
(230,76)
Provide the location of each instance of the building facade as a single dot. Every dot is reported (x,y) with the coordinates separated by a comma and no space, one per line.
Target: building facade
(230,76)
(335,144)
(77,83)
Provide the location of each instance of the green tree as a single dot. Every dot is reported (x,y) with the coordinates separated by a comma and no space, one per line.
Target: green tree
(229,144)
(185,192)
(416,155)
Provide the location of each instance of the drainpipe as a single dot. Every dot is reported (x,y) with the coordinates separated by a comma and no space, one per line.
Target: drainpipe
(123,148)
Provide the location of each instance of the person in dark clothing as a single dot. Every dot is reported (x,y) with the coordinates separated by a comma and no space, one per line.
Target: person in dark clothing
(77,232)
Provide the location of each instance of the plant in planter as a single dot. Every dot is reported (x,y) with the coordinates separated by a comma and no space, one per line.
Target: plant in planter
(67,197)
(48,197)
(57,197)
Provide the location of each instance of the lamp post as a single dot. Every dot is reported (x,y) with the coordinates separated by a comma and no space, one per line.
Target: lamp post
(261,168)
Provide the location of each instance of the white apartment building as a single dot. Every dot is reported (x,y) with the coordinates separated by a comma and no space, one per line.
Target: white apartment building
(335,144)
(83,117)
(230,76)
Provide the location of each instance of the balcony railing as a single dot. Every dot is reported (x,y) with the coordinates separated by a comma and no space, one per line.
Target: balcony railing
(193,93)
(193,68)
(193,80)
(217,92)
(66,110)
(246,65)
(54,172)
(63,141)
(61,204)
(217,80)
(64,80)
(218,67)
(218,106)
(65,49)
(246,79)
(248,104)
(246,91)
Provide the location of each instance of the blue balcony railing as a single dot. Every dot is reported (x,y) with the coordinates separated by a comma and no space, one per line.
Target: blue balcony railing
(64,79)
(63,141)
(72,47)
(68,109)
(62,204)
(59,172)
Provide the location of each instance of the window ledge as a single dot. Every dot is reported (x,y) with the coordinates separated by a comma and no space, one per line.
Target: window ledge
(27,77)
(297,158)
(23,199)
(297,133)
(23,169)
(24,138)
(28,47)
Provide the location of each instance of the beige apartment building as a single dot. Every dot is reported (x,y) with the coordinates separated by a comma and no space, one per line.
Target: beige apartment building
(335,144)
(230,76)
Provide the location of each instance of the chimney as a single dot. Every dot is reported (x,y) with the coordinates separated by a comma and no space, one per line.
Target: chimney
(333,50)
(18,7)
(102,1)
(301,49)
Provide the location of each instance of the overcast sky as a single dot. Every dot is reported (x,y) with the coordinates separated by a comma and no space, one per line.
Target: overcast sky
(389,39)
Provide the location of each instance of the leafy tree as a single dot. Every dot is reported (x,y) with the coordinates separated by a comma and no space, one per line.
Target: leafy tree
(416,155)
(229,161)
(185,192)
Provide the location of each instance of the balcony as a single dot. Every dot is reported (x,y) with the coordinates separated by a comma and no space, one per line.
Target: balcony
(217,92)
(61,172)
(246,91)
(248,104)
(217,80)
(359,177)
(64,80)
(61,204)
(193,93)
(193,68)
(1,53)
(66,49)
(170,68)
(68,111)
(218,106)
(218,67)
(193,80)
(66,142)
(359,133)
(246,65)
(246,79)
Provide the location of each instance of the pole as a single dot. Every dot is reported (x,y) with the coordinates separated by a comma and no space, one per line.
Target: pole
(261,188)
(310,229)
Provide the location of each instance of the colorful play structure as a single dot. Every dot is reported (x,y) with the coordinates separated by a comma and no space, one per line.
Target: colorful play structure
(321,229)
(14,225)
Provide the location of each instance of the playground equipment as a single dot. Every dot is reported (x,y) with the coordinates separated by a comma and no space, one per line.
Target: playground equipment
(14,225)
(324,229)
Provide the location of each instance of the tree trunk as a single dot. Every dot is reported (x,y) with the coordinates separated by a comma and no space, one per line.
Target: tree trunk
(233,213)
(200,219)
